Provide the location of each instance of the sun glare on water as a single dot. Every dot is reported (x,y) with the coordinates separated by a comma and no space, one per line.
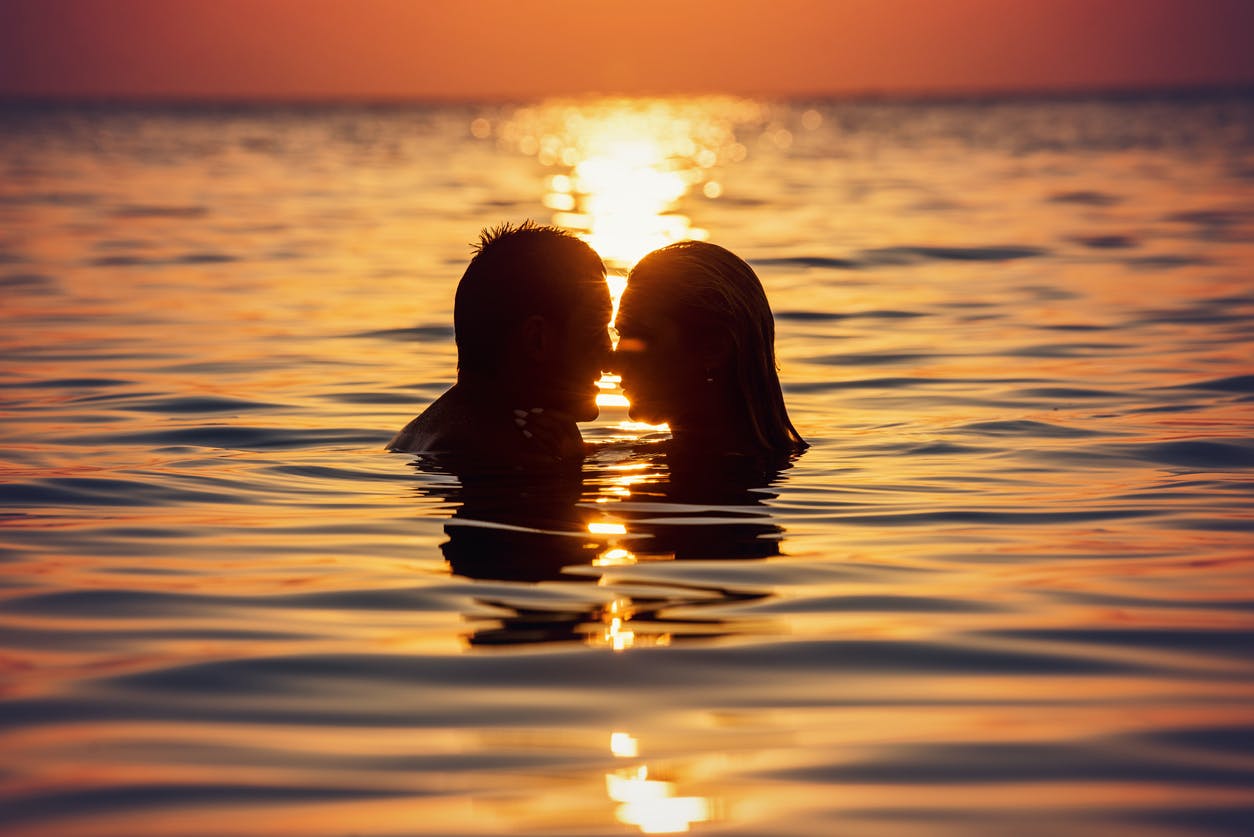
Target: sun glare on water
(623,170)
(651,805)
(626,172)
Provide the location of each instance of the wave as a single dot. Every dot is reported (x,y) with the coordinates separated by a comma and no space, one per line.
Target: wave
(824,316)
(422,333)
(155,211)
(871,359)
(1199,454)
(912,254)
(291,676)
(101,801)
(1192,642)
(907,254)
(109,604)
(1240,384)
(1108,242)
(187,259)
(809,261)
(28,283)
(57,492)
(234,437)
(1085,197)
(1020,762)
(1025,427)
(191,404)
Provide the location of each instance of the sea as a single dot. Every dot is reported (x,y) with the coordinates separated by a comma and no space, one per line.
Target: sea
(1008,590)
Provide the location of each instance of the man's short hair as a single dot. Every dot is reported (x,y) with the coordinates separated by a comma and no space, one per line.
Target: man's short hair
(518,271)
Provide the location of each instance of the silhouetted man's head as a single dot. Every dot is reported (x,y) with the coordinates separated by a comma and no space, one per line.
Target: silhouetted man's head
(531,313)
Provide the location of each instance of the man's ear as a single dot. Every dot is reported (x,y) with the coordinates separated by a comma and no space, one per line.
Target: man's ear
(534,337)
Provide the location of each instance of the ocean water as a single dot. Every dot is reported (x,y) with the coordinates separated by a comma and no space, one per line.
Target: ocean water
(1008,590)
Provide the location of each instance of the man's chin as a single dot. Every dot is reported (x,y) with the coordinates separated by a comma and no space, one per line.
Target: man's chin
(586,412)
(577,406)
(582,408)
(641,413)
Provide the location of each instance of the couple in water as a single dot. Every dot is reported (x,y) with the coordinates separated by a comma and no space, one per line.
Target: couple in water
(696,350)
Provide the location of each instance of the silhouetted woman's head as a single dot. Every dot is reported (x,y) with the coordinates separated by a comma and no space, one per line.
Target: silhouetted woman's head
(697,351)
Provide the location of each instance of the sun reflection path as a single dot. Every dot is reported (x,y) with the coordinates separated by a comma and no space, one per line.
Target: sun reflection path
(622,167)
(649,804)
(622,170)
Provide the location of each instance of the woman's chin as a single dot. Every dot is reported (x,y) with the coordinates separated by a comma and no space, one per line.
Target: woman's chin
(586,410)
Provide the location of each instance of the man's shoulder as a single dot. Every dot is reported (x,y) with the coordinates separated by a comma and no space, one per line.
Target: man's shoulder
(444,427)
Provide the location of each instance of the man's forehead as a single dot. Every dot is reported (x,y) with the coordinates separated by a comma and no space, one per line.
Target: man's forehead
(594,297)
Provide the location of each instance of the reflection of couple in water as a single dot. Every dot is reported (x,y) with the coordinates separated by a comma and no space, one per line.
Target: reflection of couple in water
(696,351)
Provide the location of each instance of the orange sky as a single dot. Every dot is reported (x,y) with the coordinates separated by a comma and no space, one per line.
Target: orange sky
(450,49)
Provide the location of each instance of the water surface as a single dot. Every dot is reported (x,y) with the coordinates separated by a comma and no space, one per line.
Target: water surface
(1008,590)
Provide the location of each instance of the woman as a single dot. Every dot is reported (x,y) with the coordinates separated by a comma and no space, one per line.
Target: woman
(697,351)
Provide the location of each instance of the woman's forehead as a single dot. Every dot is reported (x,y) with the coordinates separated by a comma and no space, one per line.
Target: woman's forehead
(646,321)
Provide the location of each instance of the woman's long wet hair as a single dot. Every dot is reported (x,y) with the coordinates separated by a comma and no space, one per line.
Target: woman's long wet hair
(706,287)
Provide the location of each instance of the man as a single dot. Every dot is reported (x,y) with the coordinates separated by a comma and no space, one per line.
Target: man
(530,319)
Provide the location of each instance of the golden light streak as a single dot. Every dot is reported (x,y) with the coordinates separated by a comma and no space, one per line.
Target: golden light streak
(616,557)
(625,169)
(624,745)
(649,804)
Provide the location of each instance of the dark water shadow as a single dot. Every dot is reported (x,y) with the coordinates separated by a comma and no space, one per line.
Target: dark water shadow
(577,526)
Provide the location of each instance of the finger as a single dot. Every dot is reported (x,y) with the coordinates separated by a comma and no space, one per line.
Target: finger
(552,431)
(538,432)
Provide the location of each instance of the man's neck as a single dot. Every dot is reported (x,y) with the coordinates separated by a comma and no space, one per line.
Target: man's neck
(492,391)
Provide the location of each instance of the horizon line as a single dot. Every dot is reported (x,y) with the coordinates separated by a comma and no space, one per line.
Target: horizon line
(1042,92)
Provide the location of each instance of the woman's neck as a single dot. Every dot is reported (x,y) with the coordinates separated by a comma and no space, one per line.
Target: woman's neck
(715,430)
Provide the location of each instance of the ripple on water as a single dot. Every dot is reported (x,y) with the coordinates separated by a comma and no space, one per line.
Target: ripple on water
(62,492)
(186,259)
(124,603)
(433,332)
(174,795)
(1018,762)
(71,384)
(1028,428)
(809,261)
(1239,384)
(28,283)
(1070,349)
(238,437)
(1108,242)
(871,359)
(157,211)
(1166,261)
(826,316)
(1085,198)
(1198,454)
(575,673)
(1192,642)
(1006,591)
(192,404)
(1061,393)
(914,254)
(896,383)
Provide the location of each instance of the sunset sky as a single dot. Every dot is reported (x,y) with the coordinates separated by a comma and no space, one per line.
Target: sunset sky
(484,49)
